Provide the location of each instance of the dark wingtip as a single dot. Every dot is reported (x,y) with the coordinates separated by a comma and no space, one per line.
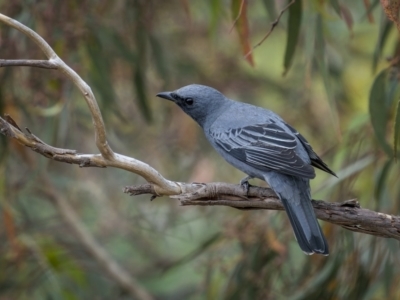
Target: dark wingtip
(322,166)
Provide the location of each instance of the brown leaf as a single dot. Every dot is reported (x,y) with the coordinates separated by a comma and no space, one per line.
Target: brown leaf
(369,13)
(186,8)
(239,9)
(347,17)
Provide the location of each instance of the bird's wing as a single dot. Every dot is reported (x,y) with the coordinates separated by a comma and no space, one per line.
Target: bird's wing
(316,161)
(264,147)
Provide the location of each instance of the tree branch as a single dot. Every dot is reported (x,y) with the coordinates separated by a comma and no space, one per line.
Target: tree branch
(58,63)
(347,214)
(106,158)
(44,64)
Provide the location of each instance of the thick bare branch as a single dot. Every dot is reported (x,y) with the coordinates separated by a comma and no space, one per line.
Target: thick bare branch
(347,214)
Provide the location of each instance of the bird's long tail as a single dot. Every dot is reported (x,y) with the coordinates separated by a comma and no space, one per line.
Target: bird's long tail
(296,198)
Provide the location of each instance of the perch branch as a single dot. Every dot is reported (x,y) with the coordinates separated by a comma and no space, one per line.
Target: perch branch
(347,214)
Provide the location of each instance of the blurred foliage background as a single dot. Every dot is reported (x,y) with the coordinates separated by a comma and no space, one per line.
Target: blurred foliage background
(330,68)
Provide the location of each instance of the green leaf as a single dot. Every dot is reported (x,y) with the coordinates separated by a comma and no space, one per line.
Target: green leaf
(397,130)
(389,275)
(159,59)
(336,6)
(139,78)
(139,84)
(325,274)
(323,68)
(294,22)
(378,110)
(384,30)
(99,73)
(346,172)
(215,7)
(380,185)
(309,36)
(271,8)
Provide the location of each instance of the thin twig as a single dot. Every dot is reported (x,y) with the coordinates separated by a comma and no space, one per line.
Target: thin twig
(238,16)
(99,128)
(273,25)
(44,64)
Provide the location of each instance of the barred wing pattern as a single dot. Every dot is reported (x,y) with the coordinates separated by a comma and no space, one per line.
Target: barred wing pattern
(265,147)
(316,161)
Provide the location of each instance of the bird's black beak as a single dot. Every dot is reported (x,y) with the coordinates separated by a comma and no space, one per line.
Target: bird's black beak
(166,95)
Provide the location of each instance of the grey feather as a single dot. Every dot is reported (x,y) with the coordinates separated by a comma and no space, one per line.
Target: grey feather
(259,143)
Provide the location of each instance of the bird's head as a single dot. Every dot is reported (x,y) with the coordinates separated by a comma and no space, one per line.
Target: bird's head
(200,102)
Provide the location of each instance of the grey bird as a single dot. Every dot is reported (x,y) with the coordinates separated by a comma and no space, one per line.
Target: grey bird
(259,143)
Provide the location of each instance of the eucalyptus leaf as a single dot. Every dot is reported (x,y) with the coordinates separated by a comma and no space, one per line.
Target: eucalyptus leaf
(294,23)
(378,110)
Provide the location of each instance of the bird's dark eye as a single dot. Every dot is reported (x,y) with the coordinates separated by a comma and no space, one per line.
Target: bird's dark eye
(189,101)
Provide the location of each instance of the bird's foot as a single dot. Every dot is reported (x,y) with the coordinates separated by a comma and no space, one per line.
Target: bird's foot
(245,184)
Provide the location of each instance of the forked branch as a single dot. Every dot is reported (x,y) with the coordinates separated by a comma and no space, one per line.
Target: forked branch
(107,157)
(351,215)
(347,214)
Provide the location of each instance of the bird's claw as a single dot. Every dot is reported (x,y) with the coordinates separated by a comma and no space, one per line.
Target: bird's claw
(244,183)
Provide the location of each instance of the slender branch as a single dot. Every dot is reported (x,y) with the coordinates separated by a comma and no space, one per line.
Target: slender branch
(107,157)
(105,261)
(162,186)
(238,16)
(273,25)
(100,132)
(44,64)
